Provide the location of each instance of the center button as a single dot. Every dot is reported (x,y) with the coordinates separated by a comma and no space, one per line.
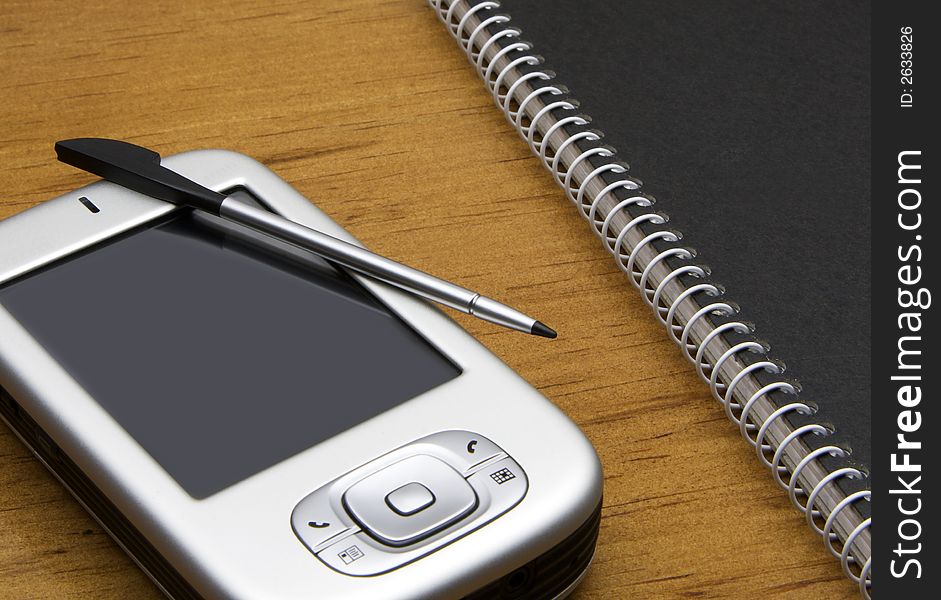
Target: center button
(410,499)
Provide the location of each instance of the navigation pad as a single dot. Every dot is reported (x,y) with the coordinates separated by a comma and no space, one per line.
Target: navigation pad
(403,505)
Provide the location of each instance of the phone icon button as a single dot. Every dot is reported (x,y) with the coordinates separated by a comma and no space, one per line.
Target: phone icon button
(464,450)
(319,524)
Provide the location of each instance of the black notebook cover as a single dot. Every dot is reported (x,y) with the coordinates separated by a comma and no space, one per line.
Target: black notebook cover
(750,124)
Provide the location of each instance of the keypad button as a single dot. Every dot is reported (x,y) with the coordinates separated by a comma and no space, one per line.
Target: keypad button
(465,451)
(410,499)
(503,481)
(357,555)
(316,523)
(453,498)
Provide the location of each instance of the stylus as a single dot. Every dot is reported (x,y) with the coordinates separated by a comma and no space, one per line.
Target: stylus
(139,169)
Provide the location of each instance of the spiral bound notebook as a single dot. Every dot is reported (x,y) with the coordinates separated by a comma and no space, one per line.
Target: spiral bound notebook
(751,122)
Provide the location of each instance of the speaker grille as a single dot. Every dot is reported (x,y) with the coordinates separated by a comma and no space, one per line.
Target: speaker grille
(551,573)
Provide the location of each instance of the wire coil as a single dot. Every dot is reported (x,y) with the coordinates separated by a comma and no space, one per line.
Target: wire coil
(493,41)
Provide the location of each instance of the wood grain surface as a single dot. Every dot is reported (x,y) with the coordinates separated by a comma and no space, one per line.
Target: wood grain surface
(370,110)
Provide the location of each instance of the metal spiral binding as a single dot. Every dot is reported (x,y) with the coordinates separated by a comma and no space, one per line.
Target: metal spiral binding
(490,41)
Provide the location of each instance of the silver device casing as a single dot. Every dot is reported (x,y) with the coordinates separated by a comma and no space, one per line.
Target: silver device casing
(238,543)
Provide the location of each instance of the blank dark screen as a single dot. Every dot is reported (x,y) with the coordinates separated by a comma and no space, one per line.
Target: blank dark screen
(220,355)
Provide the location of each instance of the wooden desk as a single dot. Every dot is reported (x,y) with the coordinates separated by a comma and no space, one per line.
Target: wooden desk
(370,110)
